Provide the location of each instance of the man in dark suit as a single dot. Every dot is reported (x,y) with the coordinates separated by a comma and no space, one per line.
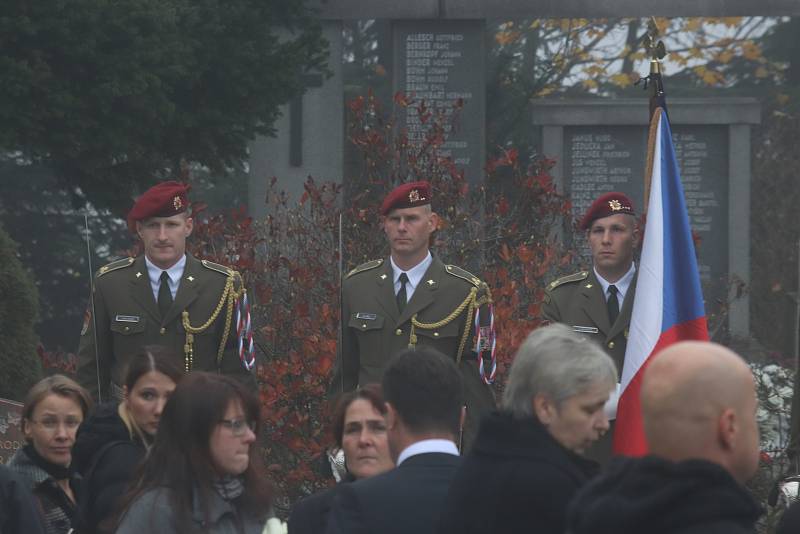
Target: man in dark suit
(597,303)
(422,389)
(411,298)
(162,297)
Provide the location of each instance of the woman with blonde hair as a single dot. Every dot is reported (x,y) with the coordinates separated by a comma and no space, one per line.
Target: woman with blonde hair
(54,409)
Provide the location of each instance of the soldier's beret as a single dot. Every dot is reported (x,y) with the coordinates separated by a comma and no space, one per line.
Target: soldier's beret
(162,200)
(408,195)
(607,204)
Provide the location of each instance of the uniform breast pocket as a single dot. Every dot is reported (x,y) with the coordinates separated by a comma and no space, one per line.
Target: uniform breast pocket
(365,322)
(128,325)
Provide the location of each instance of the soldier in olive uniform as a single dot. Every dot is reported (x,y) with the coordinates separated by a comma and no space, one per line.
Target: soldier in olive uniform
(164,297)
(598,302)
(412,298)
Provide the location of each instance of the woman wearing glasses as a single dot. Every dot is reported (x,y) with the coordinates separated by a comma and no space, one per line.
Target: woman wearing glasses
(201,474)
(116,438)
(54,409)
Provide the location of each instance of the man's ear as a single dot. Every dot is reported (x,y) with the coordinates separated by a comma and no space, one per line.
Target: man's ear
(434,221)
(189,226)
(727,428)
(544,408)
(139,229)
(391,416)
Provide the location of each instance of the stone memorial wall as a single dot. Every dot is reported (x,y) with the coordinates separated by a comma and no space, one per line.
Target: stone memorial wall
(441,62)
(11,437)
(602,159)
(601,146)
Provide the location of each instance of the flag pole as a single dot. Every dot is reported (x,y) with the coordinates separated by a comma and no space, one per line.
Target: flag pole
(654,83)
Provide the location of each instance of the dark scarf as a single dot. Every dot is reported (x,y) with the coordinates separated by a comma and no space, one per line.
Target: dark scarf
(229,487)
(58,472)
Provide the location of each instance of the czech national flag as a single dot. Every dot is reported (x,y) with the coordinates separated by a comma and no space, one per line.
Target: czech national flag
(668,306)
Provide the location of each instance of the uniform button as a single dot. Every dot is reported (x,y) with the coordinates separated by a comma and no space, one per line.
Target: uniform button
(127,328)
(163,330)
(398,332)
(436,334)
(610,344)
(363,325)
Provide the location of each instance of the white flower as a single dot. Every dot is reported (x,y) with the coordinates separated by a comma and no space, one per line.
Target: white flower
(275,526)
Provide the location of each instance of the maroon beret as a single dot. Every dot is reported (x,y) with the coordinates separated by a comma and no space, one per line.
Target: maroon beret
(162,200)
(611,203)
(408,195)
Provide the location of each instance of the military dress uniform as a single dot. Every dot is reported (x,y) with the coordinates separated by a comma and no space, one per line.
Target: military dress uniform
(439,314)
(127,318)
(577,300)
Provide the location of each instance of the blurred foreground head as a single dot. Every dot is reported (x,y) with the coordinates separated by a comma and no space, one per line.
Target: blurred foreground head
(564,380)
(699,402)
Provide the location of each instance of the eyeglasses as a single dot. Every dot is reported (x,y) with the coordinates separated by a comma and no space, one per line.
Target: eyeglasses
(238,427)
(51,424)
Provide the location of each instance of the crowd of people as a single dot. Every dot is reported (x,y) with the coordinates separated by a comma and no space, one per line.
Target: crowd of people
(426,445)
(178,454)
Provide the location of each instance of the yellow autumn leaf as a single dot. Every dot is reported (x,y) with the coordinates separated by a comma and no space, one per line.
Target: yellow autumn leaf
(621,79)
(731,22)
(712,77)
(782,99)
(535,24)
(544,91)
(725,56)
(589,84)
(692,24)
(751,50)
(695,52)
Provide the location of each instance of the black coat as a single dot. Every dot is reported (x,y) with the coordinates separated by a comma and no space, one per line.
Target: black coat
(516,478)
(407,499)
(790,522)
(18,512)
(106,456)
(657,496)
(310,515)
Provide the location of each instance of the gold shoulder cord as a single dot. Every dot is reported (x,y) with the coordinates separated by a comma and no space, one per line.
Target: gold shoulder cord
(471,303)
(229,296)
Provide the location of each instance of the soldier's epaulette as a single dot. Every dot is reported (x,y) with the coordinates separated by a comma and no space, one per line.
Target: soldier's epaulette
(464,275)
(574,277)
(365,267)
(114,265)
(227,271)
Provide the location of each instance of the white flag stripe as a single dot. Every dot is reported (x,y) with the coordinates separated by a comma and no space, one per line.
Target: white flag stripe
(648,306)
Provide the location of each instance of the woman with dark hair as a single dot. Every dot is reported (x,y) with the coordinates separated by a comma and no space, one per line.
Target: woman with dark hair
(54,408)
(201,474)
(359,430)
(116,438)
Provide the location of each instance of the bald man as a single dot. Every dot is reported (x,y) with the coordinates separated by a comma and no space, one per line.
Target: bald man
(699,406)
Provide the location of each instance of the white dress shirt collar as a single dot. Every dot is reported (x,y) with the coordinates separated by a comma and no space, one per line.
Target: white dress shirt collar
(426,446)
(175,273)
(623,284)
(414,274)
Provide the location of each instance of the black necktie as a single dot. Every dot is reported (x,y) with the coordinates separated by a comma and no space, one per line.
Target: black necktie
(164,294)
(401,295)
(613,304)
